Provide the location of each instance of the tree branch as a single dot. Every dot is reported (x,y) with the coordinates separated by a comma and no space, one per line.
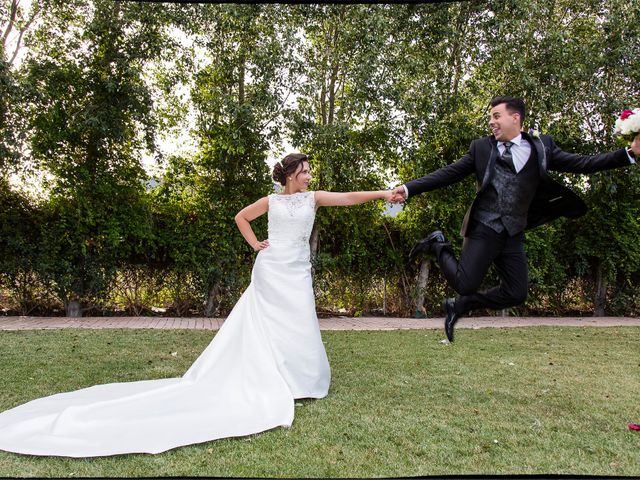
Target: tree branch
(12,19)
(34,13)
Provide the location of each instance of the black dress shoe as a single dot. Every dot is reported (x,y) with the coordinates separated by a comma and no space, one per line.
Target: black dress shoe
(425,245)
(451,318)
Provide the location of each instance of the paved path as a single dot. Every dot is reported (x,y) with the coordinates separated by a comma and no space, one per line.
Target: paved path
(333,323)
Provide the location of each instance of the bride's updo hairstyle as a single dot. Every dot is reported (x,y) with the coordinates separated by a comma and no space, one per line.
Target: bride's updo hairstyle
(286,166)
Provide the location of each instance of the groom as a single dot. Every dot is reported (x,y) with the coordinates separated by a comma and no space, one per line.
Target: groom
(513,193)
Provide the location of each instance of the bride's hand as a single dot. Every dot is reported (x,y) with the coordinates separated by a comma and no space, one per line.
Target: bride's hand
(388,196)
(260,245)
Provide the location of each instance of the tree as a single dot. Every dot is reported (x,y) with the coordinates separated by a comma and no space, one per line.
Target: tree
(89,109)
(438,51)
(575,68)
(13,26)
(238,94)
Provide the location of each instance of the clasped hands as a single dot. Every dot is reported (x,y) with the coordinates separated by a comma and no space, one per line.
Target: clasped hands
(398,195)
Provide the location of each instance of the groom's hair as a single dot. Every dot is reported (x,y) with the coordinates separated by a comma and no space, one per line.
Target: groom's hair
(513,105)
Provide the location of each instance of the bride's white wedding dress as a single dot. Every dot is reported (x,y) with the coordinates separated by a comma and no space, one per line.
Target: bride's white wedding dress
(267,353)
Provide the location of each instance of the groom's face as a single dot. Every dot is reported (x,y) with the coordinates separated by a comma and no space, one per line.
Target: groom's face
(505,125)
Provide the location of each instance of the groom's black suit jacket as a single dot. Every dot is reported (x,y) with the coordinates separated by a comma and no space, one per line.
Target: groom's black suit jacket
(551,200)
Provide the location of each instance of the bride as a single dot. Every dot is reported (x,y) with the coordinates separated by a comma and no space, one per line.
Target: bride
(267,353)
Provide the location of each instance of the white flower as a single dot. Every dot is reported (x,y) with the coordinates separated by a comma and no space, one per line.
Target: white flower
(628,123)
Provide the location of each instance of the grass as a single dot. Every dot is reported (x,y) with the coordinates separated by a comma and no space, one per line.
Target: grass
(499,401)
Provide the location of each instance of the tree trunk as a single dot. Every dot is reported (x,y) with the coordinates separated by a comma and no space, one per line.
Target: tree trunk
(455,61)
(601,291)
(423,278)
(212,301)
(12,19)
(323,106)
(332,92)
(384,296)
(313,242)
(73,309)
(333,75)
(241,74)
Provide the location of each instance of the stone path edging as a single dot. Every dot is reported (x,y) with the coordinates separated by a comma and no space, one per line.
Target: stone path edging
(332,323)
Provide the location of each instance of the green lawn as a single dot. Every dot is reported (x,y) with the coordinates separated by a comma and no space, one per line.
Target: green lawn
(507,401)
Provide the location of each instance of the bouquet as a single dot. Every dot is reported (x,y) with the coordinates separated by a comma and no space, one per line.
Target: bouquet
(628,124)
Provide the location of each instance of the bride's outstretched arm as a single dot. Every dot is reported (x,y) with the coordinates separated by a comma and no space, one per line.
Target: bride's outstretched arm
(246,215)
(344,199)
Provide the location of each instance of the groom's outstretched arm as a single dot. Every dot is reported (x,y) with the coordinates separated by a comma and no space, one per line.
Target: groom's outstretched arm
(562,161)
(447,175)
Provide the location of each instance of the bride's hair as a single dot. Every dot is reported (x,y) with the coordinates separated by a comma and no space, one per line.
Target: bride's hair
(287,166)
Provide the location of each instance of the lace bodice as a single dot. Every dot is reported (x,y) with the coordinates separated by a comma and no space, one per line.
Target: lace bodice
(291,217)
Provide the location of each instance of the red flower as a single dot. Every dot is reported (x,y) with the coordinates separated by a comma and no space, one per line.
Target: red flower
(626,114)
(634,426)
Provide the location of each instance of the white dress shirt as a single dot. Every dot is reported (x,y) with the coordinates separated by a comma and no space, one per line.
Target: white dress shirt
(520,151)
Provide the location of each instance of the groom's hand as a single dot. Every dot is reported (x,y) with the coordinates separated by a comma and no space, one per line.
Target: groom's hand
(398,195)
